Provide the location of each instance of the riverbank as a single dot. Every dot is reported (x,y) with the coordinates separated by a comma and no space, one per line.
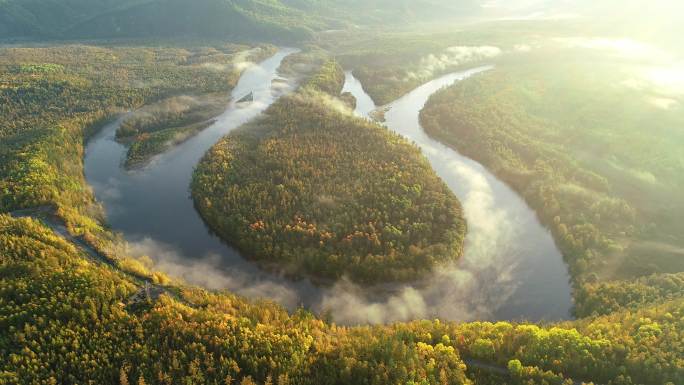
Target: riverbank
(587,171)
(319,193)
(511,264)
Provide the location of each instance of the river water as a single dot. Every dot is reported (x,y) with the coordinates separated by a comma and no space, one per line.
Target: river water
(511,269)
(511,264)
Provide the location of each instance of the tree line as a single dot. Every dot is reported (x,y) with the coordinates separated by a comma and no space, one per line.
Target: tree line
(314,190)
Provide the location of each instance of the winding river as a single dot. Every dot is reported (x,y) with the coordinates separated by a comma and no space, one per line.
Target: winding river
(511,263)
(511,269)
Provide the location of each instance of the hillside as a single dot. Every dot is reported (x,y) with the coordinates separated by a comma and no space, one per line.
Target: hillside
(284,21)
(238,19)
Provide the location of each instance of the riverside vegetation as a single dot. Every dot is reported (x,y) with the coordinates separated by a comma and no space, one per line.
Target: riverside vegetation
(51,103)
(317,191)
(69,318)
(157,127)
(607,187)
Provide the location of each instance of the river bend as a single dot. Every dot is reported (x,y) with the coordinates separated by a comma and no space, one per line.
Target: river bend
(511,268)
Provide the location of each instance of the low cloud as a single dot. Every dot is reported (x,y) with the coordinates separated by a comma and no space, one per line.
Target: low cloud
(624,48)
(663,103)
(474,287)
(452,57)
(210,272)
(239,61)
(651,69)
(666,79)
(312,96)
(169,110)
(522,48)
(348,304)
(662,85)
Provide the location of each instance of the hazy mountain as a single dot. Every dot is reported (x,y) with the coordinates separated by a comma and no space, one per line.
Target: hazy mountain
(277,20)
(258,19)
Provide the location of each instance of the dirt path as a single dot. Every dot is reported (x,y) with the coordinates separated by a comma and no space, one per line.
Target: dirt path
(148,289)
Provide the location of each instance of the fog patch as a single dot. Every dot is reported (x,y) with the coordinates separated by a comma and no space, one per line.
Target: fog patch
(624,48)
(348,304)
(639,174)
(162,110)
(474,287)
(209,272)
(238,62)
(281,86)
(242,61)
(173,105)
(667,79)
(433,64)
(666,83)
(522,48)
(309,95)
(662,103)
(111,190)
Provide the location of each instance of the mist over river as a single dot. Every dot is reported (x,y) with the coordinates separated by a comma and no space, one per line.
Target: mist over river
(511,268)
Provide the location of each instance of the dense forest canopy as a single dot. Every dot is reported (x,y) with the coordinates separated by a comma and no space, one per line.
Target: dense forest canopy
(598,158)
(69,318)
(255,19)
(50,103)
(582,118)
(316,191)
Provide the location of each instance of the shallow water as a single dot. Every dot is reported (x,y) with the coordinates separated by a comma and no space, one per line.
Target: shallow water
(152,208)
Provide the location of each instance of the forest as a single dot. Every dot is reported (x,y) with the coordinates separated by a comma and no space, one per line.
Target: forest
(72,319)
(315,191)
(51,103)
(390,63)
(588,135)
(155,128)
(586,170)
(275,21)
(266,20)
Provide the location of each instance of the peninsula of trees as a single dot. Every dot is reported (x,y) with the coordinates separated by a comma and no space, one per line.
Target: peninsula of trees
(75,308)
(313,190)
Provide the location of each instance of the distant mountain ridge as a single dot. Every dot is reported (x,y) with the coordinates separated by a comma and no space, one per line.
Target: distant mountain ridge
(272,20)
(73,19)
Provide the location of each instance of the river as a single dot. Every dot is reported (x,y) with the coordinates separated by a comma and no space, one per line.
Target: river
(511,269)
(511,262)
